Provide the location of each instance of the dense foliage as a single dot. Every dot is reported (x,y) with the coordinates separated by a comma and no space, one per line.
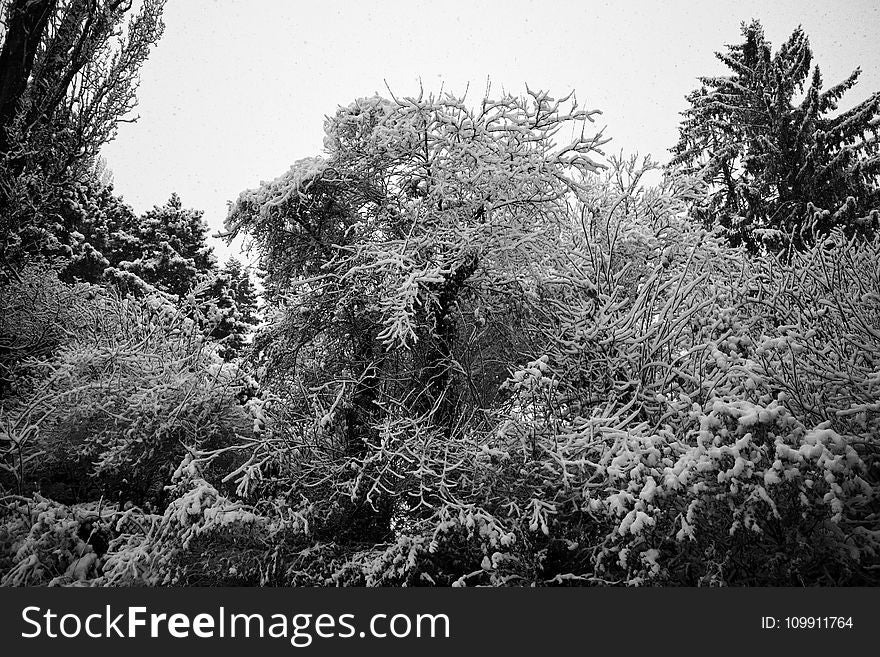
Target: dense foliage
(487,355)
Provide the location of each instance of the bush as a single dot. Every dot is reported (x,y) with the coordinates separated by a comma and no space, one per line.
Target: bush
(46,543)
(127,397)
(38,314)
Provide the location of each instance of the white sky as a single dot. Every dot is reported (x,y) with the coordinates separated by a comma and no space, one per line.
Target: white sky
(237,90)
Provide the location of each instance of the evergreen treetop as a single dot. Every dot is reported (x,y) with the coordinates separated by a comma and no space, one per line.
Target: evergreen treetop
(781,166)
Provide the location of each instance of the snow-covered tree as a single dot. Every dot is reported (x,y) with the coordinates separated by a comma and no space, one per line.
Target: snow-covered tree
(227,308)
(172,251)
(783,165)
(163,252)
(402,263)
(101,230)
(165,248)
(38,314)
(129,394)
(69,71)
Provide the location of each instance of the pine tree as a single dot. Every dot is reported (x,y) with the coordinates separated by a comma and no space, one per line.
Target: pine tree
(165,248)
(780,171)
(228,308)
(100,228)
(174,251)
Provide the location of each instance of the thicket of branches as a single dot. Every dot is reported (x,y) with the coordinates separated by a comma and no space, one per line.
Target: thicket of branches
(490,355)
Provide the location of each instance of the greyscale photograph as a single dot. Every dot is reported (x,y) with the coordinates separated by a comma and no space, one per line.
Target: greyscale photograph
(461,294)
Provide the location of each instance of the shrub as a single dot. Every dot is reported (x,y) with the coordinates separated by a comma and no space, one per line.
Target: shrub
(127,397)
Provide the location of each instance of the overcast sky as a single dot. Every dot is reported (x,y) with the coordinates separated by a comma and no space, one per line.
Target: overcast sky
(237,90)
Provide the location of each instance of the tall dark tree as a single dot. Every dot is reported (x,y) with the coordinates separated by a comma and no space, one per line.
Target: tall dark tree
(782,167)
(69,71)
(26,21)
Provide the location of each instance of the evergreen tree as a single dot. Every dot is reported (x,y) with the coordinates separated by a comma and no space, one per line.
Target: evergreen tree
(781,168)
(166,248)
(228,308)
(243,291)
(101,231)
(173,248)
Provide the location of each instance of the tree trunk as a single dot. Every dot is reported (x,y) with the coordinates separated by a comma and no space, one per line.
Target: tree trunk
(437,370)
(26,22)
